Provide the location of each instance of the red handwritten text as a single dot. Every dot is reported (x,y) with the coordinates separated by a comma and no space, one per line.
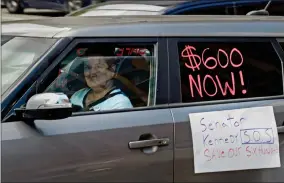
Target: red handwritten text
(215,153)
(248,151)
(260,150)
(129,51)
(201,84)
(210,62)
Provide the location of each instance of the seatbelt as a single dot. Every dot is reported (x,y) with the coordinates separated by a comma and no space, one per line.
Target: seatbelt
(107,96)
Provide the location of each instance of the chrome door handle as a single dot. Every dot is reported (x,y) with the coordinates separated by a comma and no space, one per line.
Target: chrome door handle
(148,143)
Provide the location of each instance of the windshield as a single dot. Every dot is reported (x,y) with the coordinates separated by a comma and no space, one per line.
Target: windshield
(18,55)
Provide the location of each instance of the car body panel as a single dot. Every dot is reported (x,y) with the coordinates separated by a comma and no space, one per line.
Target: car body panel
(241,29)
(129,6)
(94,146)
(184,157)
(89,148)
(184,169)
(154,6)
(125,9)
(28,29)
(162,26)
(46,4)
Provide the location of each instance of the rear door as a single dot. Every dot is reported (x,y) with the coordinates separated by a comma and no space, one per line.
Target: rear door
(217,75)
(102,146)
(36,3)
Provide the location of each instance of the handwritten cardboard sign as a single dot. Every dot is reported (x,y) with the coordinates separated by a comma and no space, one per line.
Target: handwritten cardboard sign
(238,139)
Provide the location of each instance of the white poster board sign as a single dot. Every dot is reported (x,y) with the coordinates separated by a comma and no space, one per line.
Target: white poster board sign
(238,139)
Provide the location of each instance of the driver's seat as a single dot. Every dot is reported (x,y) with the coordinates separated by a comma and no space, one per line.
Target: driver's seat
(133,76)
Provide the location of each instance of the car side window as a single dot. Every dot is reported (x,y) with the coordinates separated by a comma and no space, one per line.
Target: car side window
(229,70)
(237,8)
(108,76)
(242,8)
(274,9)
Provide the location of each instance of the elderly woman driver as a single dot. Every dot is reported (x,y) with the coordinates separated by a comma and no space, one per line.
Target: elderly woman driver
(101,93)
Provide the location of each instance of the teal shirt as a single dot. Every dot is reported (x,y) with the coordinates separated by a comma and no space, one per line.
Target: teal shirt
(119,101)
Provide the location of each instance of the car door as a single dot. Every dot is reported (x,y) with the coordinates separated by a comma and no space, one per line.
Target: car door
(199,85)
(46,4)
(36,3)
(102,146)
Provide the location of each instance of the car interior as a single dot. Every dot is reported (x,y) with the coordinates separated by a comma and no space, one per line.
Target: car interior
(133,75)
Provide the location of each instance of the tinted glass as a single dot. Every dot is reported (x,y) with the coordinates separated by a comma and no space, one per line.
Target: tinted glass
(276,8)
(217,71)
(119,9)
(209,10)
(243,8)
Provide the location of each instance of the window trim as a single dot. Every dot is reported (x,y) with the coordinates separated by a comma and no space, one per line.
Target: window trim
(279,51)
(161,69)
(176,100)
(278,41)
(280,48)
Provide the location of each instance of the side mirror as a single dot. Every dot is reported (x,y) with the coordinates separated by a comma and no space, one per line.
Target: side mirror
(46,106)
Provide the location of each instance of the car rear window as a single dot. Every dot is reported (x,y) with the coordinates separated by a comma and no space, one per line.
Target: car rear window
(229,70)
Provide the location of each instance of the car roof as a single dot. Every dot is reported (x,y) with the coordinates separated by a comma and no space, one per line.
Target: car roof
(122,9)
(164,3)
(130,6)
(149,26)
(146,6)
